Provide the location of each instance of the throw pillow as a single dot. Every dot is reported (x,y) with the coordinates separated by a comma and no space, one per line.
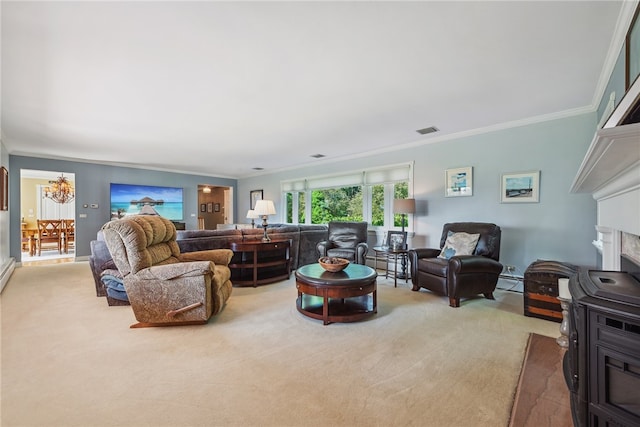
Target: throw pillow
(459,244)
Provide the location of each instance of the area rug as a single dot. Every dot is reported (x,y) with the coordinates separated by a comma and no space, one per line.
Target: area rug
(542,397)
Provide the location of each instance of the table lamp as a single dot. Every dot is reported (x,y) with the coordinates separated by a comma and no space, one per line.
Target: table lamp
(252,215)
(264,208)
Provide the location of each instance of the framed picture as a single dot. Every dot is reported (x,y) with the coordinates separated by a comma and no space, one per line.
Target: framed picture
(396,239)
(523,187)
(203,207)
(459,182)
(4,189)
(209,207)
(254,196)
(216,207)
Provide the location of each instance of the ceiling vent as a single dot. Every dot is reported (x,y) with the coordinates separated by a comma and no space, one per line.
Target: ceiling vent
(318,156)
(427,130)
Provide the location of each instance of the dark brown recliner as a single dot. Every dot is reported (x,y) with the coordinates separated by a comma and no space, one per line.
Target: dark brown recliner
(346,240)
(460,276)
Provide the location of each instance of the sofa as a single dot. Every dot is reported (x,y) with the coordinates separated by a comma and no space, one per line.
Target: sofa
(304,239)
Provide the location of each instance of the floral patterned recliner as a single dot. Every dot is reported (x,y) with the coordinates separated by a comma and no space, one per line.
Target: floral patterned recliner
(164,286)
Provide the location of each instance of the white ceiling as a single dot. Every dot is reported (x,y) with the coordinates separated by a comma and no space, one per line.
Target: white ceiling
(218,88)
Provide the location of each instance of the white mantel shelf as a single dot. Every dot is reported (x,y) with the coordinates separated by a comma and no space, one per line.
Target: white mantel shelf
(614,155)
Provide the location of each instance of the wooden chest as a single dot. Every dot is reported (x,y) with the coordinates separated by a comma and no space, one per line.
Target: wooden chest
(541,288)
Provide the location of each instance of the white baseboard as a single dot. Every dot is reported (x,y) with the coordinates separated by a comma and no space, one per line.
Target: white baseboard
(6,272)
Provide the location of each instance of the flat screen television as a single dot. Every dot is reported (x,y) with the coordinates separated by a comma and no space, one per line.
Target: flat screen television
(131,199)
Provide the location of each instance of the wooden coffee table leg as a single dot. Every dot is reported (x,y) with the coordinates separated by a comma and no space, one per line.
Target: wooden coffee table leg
(375,300)
(325,308)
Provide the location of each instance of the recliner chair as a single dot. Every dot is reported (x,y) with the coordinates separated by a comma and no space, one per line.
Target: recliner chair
(346,240)
(164,286)
(459,276)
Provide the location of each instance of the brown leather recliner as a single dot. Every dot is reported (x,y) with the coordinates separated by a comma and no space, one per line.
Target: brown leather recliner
(346,240)
(460,276)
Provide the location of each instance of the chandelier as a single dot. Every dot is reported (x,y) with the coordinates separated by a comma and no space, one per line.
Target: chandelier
(60,191)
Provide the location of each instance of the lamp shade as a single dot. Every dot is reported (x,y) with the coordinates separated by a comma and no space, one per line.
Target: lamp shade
(404,206)
(265,207)
(251,214)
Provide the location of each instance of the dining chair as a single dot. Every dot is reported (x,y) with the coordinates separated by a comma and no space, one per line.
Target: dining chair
(49,232)
(68,234)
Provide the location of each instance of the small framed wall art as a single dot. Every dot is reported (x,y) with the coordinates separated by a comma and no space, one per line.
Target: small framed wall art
(254,196)
(523,187)
(203,207)
(459,182)
(216,207)
(210,207)
(4,189)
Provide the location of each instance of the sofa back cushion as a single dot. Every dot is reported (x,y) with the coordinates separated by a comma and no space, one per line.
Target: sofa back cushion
(137,242)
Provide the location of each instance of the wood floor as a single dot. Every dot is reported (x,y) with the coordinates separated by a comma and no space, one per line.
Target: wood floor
(542,397)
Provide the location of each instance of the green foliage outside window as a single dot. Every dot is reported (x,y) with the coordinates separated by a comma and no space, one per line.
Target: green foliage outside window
(377,205)
(301,207)
(400,191)
(289,208)
(336,204)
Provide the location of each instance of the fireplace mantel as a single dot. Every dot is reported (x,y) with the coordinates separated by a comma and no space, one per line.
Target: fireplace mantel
(610,172)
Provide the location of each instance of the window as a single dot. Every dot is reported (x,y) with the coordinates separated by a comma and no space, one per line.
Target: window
(336,204)
(355,196)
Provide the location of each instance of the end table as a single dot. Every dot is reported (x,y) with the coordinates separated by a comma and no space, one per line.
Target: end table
(388,254)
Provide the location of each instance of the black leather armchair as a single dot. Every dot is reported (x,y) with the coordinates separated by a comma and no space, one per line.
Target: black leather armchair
(346,240)
(461,276)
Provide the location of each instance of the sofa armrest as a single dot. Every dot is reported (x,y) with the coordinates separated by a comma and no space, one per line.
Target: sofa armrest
(418,253)
(361,252)
(217,256)
(474,264)
(322,247)
(174,271)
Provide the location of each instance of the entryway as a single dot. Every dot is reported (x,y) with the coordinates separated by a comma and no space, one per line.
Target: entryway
(215,206)
(47,195)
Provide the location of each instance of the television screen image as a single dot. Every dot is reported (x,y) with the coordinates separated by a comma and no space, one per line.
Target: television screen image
(128,199)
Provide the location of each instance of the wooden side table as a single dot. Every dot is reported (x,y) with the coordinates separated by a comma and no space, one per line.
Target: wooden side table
(260,263)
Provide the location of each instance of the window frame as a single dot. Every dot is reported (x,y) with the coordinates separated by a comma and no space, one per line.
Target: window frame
(388,176)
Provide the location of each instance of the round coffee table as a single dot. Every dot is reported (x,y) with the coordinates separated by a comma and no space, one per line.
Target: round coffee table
(346,296)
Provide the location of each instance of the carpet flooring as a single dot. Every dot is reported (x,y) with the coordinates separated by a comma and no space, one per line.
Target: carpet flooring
(68,359)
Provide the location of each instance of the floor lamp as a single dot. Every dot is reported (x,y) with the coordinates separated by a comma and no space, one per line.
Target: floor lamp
(404,207)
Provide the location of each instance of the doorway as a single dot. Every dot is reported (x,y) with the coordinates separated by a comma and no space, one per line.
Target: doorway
(38,203)
(215,207)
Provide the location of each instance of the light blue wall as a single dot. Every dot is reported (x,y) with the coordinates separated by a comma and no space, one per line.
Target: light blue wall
(92,187)
(559,227)
(616,84)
